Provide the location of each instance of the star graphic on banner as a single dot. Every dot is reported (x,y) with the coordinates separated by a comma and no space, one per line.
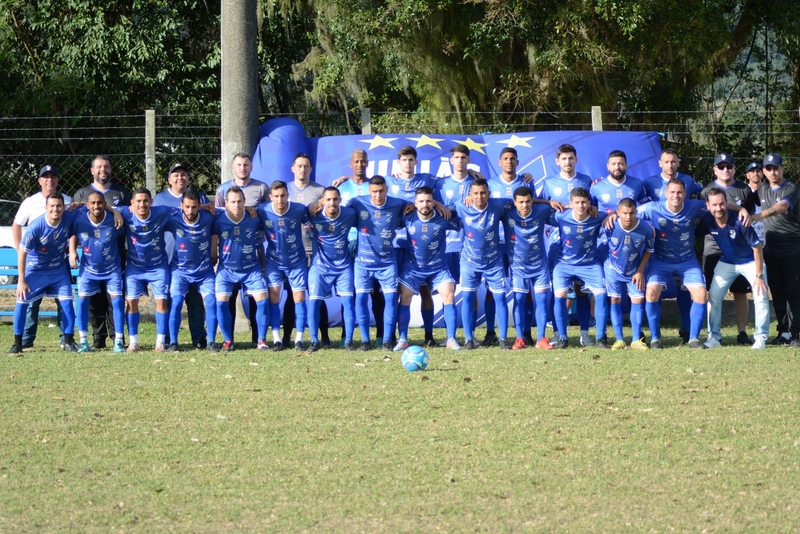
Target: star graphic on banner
(515,141)
(426,141)
(473,145)
(379,141)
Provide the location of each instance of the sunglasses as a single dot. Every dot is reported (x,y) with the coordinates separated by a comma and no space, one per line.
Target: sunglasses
(724,167)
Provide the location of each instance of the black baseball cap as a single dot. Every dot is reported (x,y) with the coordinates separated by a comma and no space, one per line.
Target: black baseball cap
(754,166)
(48,168)
(176,167)
(722,157)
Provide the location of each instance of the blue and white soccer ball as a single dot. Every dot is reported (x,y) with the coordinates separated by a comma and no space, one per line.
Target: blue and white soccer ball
(415,358)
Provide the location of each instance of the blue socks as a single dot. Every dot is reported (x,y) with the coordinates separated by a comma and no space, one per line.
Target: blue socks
(542,307)
(348,303)
(20,311)
(161,324)
(450,320)
(427,321)
(301,313)
(616,320)
(404,318)
(502,315)
(490,311)
(210,304)
(636,315)
(389,316)
(653,310)
(133,324)
(600,315)
(225,320)
(175,317)
(521,323)
(262,317)
(313,318)
(83,314)
(697,315)
(362,314)
(468,313)
(562,316)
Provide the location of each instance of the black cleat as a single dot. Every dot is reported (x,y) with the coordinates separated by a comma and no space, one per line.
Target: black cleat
(655,343)
(349,345)
(562,343)
(696,344)
(314,347)
(529,341)
(744,339)
(503,344)
(298,345)
(468,345)
(430,342)
(15,349)
(489,340)
(212,347)
(780,340)
(173,347)
(71,347)
(602,343)
(200,345)
(794,343)
(365,346)
(684,336)
(277,346)
(387,346)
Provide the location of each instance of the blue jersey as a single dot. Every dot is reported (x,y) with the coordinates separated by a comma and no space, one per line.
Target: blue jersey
(606,194)
(578,238)
(406,189)
(47,245)
(145,238)
(237,241)
(377,227)
(656,187)
(626,247)
(450,191)
(499,188)
(284,233)
(675,232)
(558,188)
(525,242)
(349,190)
(100,244)
(192,244)
(482,233)
(331,237)
(734,240)
(426,246)
(167,198)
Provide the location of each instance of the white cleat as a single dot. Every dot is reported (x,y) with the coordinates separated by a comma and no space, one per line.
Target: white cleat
(586,341)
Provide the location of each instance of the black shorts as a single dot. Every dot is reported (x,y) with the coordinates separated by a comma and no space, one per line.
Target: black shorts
(739,286)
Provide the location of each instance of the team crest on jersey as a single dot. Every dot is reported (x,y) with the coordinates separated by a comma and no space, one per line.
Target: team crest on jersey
(658,192)
(412,230)
(318,227)
(132,227)
(331,228)
(281,222)
(144,228)
(557,191)
(236,230)
(395,189)
(567,230)
(407,185)
(662,222)
(300,197)
(224,235)
(425,228)
(97,233)
(512,223)
(179,232)
(364,215)
(733,234)
(449,193)
(615,241)
(606,197)
(580,229)
(468,220)
(627,240)
(84,236)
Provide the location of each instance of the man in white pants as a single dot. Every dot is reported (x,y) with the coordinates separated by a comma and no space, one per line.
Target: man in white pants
(742,254)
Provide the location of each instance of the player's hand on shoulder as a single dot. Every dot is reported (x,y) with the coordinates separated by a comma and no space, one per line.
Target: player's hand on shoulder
(409,208)
(608,222)
(744,218)
(527,177)
(210,208)
(475,174)
(442,210)
(556,205)
(119,222)
(593,211)
(75,205)
(340,180)
(252,212)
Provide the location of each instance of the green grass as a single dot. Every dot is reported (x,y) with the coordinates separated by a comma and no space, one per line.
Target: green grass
(336,441)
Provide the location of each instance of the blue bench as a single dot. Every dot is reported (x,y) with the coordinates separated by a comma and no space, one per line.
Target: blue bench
(8,267)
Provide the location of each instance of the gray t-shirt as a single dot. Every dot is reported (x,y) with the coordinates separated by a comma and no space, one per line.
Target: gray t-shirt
(116,195)
(737,193)
(310,193)
(255,192)
(781,232)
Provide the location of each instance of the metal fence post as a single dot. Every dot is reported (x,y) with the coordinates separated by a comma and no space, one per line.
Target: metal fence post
(150,150)
(366,121)
(597,119)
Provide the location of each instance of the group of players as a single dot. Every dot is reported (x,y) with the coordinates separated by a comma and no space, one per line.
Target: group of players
(414,234)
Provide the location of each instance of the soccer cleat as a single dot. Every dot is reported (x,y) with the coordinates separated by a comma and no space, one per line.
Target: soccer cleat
(298,345)
(528,339)
(602,343)
(326,343)
(71,347)
(160,347)
(640,345)
(544,343)
(684,336)
(314,346)
(655,343)
(212,347)
(586,341)
(781,339)
(430,341)
(452,344)
(555,338)
(387,346)
(227,346)
(133,348)
(200,345)
(620,345)
(262,345)
(696,344)
(743,339)
(402,344)
(365,346)
(173,347)
(504,344)
(489,340)
(15,349)
(84,346)
(794,343)
(562,343)
(349,346)
(277,346)
(469,345)
(760,343)
(119,346)
(712,343)
(519,344)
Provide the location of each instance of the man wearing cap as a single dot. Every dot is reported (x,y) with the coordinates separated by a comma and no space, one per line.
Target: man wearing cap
(101,313)
(736,193)
(780,211)
(754,178)
(178,179)
(30,209)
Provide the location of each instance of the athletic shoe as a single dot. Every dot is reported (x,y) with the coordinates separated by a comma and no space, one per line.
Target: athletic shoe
(15,349)
(200,345)
(402,345)
(133,348)
(430,341)
(760,343)
(71,347)
(262,345)
(586,341)
(696,344)
(30,346)
(298,345)
(781,339)
(387,346)
(314,347)
(743,339)
(544,343)
(504,344)
(529,342)
(712,343)
(602,343)
(641,345)
(326,343)
(620,345)
(160,347)
(173,347)
(365,346)
(212,347)
(562,343)
(519,344)
(119,347)
(684,336)
(794,343)
(349,346)
(277,346)
(469,345)
(84,346)
(555,338)
(489,340)
(452,344)
(227,346)
(655,344)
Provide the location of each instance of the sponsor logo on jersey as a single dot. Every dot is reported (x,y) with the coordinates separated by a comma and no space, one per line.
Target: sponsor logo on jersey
(733,234)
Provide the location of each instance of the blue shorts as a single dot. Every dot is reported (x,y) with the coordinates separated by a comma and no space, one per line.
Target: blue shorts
(414,279)
(386,277)
(616,284)
(523,283)
(591,275)
(181,282)
(91,284)
(49,283)
(494,276)
(297,275)
(321,282)
(454,265)
(688,272)
(136,281)
(252,282)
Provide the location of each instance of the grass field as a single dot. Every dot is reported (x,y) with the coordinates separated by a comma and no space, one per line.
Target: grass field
(485,440)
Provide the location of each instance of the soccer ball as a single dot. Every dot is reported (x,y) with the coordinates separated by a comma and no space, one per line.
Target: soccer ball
(415,358)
